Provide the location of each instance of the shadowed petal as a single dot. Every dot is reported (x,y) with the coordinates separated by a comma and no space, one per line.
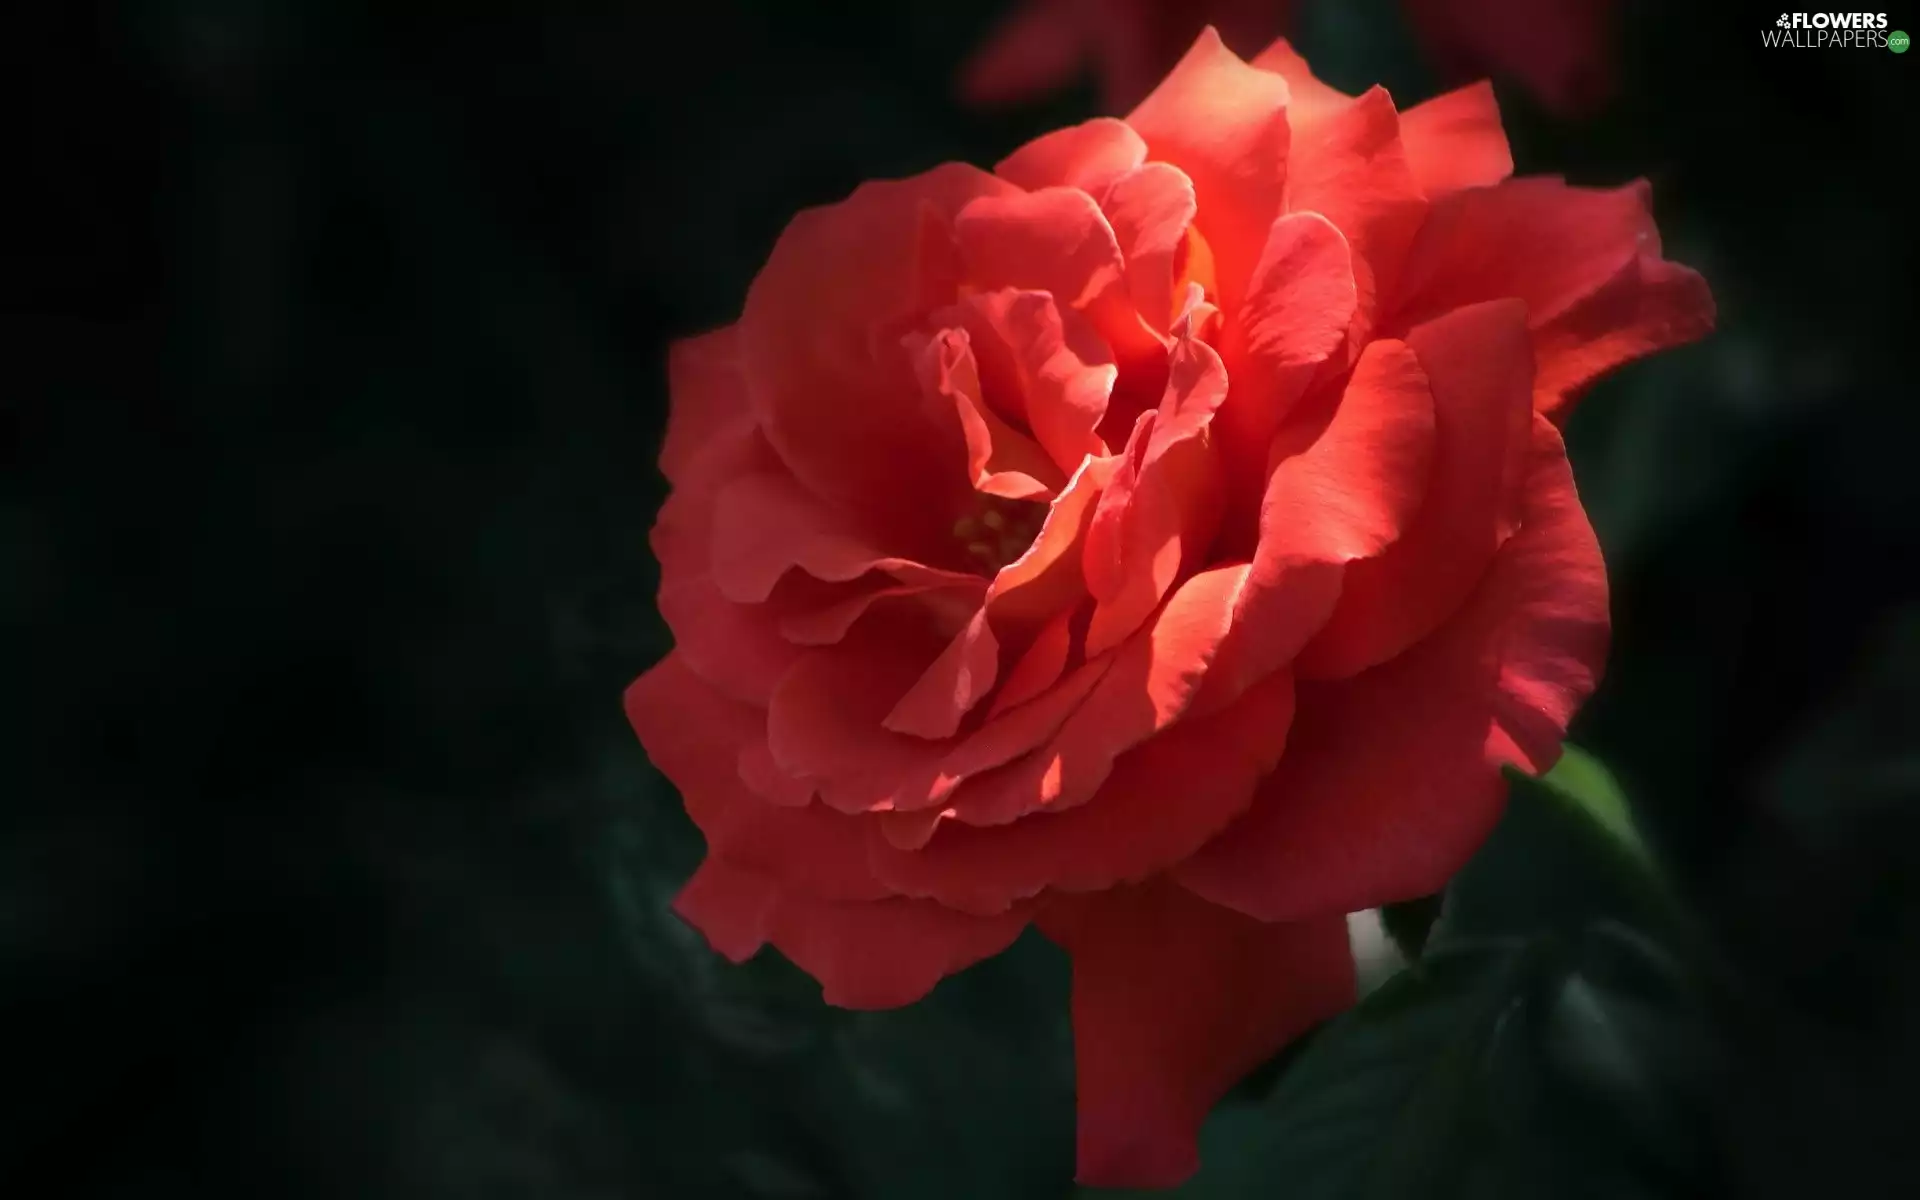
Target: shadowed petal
(1174,1000)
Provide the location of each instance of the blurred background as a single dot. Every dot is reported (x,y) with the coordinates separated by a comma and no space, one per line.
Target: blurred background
(335,336)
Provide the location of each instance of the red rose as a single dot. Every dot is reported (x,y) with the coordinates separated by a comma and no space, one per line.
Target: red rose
(1162,540)
(1556,49)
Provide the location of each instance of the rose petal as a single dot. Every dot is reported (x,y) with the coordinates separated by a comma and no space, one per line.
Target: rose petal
(765,525)
(1347,494)
(1160,515)
(708,393)
(1479,361)
(1349,166)
(959,679)
(1224,124)
(1001,461)
(1456,141)
(952,601)
(1555,647)
(1149,686)
(1150,209)
(1388,785)
(1055,240)
(1163,801)
(827,405)
(695,737)
(736,648)
(1088,156)
(1039,666)
(1300,302)
(1649,305)
(1308,99)
(1174,1000)
(1055,372)
(866,956)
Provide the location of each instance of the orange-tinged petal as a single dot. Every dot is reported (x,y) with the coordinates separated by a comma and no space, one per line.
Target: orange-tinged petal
(1224,124)
(866,956)
(1151,209)
(1174,1000)
(1456,141)
(1047,580)
(1479,361)
(1309,98)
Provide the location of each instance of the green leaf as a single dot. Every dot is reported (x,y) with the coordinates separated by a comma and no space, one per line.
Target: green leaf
(1502,1068)
(1565,853)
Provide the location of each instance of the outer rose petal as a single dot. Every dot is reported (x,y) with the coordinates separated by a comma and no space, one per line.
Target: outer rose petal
(737,648)
(1556,641)
(1165,798)
(1480,363)
(696,737)
(1650,305)
(828,405)
(1586,262)
(708,393)
(1224,123)
(1174,1000)
(1456,141)
(875,955)
(1392,779)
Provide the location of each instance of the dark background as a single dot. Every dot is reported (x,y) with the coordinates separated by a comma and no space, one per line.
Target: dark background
(334,337)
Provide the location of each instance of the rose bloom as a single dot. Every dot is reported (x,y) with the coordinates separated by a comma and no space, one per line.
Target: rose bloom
(1556,49)
(1162,541)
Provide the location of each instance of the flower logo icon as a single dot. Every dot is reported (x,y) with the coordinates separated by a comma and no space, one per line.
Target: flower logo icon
(1783,22)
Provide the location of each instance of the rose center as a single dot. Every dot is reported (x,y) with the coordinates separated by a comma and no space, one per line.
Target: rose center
(999,531)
